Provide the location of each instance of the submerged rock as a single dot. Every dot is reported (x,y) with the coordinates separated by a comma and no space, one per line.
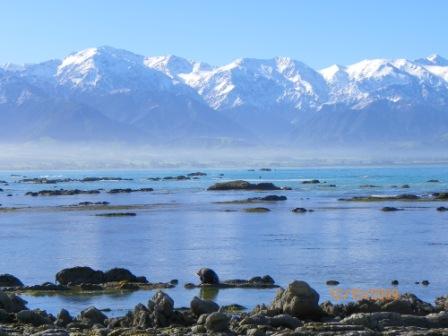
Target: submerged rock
(332,283)
(389,209)
(117,214)
(269,198)
(311,181)
(196,174)
(61,192)
(177,178)
(129,190)
(257,209)
(243,185)
(301,210)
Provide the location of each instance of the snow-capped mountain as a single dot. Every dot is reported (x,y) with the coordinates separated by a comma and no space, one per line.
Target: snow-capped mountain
(112,94)
(398,80)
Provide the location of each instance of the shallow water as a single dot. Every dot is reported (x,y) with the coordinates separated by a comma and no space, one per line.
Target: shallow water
(185,229)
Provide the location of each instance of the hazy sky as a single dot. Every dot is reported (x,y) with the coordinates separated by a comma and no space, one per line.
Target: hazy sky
(318,33)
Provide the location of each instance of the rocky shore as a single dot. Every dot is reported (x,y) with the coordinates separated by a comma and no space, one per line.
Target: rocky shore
(295,310)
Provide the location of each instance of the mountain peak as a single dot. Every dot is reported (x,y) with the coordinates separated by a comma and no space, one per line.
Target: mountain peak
(434,59)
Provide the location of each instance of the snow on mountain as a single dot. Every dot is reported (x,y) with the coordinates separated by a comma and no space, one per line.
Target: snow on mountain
(169,99)
(435,64)
(109,69)
(433,59)
(380,79)
(176,67)
(254,83)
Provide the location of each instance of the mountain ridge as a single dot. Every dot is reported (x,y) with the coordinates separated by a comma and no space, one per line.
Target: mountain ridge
(277,101)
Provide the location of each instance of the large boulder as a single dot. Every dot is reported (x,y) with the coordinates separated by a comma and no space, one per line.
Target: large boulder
(199,307)
(11,302)
(9,280)
(243,185)
(407,304)
(216,322)
(162,303)
(298,300)
(35,317)
(63,318)
(92,316)
(122,274)
(208,276)
(79,275)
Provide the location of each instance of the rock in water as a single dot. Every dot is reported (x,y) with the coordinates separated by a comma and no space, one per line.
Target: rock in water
(298,300)
(243,185)
(9,280)
(122,274)
(208,276)
(78,275)
(199,307)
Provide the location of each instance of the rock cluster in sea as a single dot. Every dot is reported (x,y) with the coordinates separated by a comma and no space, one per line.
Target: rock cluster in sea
(295,310)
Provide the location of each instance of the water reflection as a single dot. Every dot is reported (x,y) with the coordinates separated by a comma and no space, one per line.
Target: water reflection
(209,293)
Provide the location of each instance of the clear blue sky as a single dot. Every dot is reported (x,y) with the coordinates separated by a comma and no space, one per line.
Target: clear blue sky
(318,32)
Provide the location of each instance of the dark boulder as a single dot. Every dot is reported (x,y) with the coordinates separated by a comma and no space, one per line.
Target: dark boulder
(92,316)
(208,276)
(9,280)
(269,198)
(197,174)
(63,318)
(35,317)
(257,210)
(11,302)
(217,322)
(199,307)
(301,210)
(243,185)
(390,209)
(298,300)
(311,181)
(122,274)
(79,275)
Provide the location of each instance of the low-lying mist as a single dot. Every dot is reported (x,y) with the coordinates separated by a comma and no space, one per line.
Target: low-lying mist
(55,155)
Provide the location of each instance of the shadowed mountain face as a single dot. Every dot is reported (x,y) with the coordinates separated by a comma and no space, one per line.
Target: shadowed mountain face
(107,94)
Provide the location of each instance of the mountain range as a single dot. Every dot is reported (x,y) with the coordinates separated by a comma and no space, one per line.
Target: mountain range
(112,95)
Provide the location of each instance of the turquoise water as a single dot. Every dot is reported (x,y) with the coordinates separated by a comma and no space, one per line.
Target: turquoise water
(185,229)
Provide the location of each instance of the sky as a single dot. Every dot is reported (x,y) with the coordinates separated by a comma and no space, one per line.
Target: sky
(317,32)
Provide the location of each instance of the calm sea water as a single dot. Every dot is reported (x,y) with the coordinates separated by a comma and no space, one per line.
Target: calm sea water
(185,229)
